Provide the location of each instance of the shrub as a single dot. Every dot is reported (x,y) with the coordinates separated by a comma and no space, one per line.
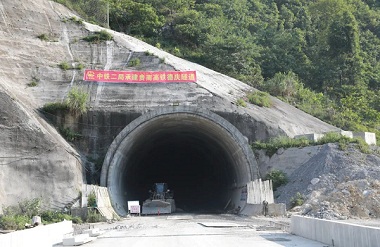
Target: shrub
(79,66)
(274,144)
(93,216)
(134,62)
(283,85)
(297,200)
(260,98)
(278,178)
(362,145)
(49,217)
(14,222)
(76,20)
(91,200)
(241,102)
(148,53)
(15,217)
(43,37)
(97,37)
(64,66)
(32,83)
(30,208)
(52,108)
(332,137)
(69,134)
(77,101)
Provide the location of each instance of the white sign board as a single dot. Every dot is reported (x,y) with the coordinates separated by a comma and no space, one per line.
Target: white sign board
(134,207)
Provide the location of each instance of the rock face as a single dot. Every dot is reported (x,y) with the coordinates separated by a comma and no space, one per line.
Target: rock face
(334,183)
(35,162)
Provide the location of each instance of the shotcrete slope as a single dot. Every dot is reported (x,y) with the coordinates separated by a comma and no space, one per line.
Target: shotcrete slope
(26,57)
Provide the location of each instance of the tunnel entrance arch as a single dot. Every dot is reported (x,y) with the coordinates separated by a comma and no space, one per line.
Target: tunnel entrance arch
(204,159)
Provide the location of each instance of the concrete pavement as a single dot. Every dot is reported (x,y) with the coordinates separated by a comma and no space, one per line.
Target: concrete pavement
(196,230)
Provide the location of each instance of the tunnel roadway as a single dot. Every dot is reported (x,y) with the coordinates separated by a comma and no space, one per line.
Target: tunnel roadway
(196,230)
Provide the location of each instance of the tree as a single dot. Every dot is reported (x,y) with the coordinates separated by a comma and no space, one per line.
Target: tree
(135,18)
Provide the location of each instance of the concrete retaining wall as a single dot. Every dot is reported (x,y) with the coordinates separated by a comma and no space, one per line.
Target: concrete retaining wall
(335,233)
(259,191)
(42,236)
(258,209)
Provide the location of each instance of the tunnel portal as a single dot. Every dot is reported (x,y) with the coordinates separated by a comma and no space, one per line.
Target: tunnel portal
(204,159)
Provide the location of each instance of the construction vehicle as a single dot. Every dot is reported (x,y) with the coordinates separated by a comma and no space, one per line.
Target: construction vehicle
(160,201)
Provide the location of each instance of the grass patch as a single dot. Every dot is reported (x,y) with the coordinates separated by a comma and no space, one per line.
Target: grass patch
(47,37)
(79,66)
(274,144)
(297,200)
(76,20)
(33,83)
(64,66)
(93,216)
(285,142)
(69,134)
(44,37)
(16,217)
(134,62)
(54,107)
(77,101)
(98,37)
(260,98)
(241,102)
(91,200)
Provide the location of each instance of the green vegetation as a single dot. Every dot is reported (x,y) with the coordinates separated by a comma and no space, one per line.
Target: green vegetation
(77,101)
(274,144)
(54,107)
(260,98)
(79,66)
(148,53)
(278,178)
(49,217)
(76,20)
(47,37)
(297,200)
(64,66)
(91,200)
(16,217)
(34,82)
(241,102)
(285,142)
(97,37)
(134,62)
(43,37)
(69,134)
(93,216)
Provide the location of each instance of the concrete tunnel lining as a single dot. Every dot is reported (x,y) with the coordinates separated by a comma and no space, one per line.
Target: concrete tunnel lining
(202,157)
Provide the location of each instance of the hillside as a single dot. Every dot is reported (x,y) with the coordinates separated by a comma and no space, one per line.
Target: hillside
(333,183)
(38,37)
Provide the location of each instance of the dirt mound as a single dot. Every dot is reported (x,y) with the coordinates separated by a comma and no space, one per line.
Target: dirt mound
(336,184)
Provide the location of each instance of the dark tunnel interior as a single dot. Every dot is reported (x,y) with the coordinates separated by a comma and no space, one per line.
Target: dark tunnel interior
(195,167)
(199,160)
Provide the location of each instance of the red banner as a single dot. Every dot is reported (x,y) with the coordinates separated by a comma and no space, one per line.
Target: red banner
(139,76)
